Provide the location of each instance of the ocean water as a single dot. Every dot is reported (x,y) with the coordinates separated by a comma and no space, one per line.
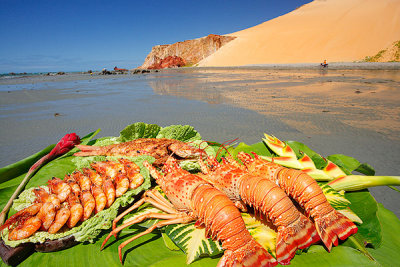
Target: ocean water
(351,112)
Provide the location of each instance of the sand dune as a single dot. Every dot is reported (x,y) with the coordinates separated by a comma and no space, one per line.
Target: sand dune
(335,30)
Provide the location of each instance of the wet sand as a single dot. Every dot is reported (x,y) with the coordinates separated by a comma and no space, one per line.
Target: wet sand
(352,112)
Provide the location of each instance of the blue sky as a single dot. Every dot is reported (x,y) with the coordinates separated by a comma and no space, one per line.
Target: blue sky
(42,36)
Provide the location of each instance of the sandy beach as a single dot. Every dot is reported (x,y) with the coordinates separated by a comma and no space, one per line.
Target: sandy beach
(337,110)
(338,31)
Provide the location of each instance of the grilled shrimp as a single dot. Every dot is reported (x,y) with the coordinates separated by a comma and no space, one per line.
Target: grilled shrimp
(83,181)
(108,168)
(192,198)
(27,212)
(43,197)
(121,185)
(329,223)
(94,177)
(295,231)
(109,190)
(88,204)
(26,228)
(133,173)
(76,209)
(60,188)
(61,218)
(73,184)
(47,214)
(99,197)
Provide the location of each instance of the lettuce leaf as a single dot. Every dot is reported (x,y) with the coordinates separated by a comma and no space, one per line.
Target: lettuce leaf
(185,133)
(139,130)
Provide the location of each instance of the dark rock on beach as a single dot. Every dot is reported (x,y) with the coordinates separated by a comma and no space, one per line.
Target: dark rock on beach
(169,62)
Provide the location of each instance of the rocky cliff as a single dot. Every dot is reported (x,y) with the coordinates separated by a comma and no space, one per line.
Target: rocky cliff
(190,52)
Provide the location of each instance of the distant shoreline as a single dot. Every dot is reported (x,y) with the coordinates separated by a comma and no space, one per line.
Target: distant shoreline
(316,66)
(44,77)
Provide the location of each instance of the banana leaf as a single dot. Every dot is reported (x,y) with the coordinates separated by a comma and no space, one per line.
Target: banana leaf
(380,226)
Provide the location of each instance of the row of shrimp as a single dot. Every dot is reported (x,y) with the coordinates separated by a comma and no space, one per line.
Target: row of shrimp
(75,198)
(213,199)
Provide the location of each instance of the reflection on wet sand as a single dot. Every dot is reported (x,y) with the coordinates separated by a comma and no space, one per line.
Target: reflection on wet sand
(305,99)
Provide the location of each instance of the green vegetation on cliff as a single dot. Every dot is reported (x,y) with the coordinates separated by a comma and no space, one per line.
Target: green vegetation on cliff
(390,54)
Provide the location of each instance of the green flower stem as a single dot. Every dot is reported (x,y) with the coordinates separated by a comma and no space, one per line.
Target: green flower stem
(360,182)
(21,186)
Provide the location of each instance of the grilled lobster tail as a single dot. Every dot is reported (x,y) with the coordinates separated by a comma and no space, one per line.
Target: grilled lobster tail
(250,255)
(223,220)
(330,224)
(298,235)
(295,231)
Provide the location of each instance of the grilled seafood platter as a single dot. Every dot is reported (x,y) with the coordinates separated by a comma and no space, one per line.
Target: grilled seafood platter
(221,206)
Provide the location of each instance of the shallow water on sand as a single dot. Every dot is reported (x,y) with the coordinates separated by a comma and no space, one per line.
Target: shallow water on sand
(352,112)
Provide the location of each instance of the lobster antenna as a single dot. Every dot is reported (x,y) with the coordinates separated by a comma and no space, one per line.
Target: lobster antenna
(203,141)
(224,145)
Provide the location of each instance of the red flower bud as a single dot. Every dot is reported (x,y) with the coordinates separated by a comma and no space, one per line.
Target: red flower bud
(63,146)
(67,143)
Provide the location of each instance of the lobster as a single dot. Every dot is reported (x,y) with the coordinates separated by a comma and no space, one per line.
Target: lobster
(301,187)
(192,199)
(295,231)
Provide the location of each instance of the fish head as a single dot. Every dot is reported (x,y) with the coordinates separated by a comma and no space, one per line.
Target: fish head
(187,151)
